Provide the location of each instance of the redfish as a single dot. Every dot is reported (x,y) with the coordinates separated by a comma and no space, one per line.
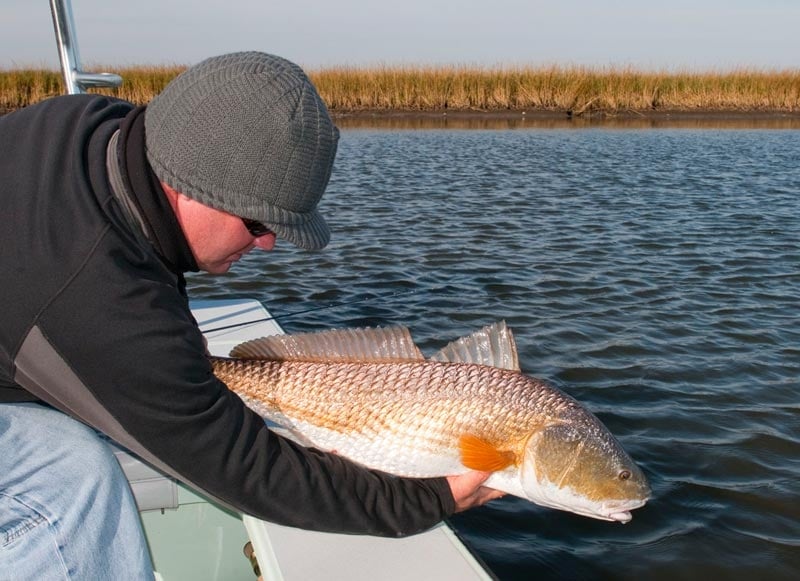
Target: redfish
(371,396)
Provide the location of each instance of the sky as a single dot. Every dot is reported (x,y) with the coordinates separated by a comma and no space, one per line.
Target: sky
(671,35)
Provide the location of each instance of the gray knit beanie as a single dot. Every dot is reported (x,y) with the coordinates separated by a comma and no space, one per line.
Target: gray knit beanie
(247,133)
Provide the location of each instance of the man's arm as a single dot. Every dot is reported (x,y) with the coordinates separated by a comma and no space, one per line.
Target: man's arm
(132,363)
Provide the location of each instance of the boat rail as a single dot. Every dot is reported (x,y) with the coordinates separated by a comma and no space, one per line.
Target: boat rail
(75,79)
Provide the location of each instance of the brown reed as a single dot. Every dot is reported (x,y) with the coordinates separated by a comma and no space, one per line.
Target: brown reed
(576,89)
(22,87)
(573,89)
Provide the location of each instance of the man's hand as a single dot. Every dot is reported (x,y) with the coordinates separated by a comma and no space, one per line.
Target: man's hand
(468,492)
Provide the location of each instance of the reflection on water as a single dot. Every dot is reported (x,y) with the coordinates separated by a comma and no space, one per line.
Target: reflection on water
(519,120)
(653,275)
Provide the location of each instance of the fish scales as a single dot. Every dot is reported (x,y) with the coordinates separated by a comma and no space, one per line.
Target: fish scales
(431,403)
(371,396)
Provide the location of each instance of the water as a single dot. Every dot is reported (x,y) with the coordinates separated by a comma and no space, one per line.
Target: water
(652,274)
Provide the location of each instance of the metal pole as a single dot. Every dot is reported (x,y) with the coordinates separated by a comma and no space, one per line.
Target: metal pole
(75,80)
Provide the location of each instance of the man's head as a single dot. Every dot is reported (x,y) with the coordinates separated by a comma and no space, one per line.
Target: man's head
(248,134)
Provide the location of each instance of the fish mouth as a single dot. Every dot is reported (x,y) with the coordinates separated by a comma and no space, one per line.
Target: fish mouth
(621,512)
(623,517)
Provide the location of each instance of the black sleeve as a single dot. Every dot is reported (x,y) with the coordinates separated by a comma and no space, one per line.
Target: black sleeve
(141,376)
(93,323)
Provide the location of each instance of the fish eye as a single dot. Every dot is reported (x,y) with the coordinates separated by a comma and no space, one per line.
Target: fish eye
(625,475)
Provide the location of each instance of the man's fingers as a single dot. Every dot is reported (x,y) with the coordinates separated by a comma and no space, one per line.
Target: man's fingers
(468,492)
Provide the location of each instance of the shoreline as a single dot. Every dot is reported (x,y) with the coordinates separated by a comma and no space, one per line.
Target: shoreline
(559,113)
(517,118)
(509,118)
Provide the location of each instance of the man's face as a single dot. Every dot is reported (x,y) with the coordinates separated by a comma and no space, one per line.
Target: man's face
(217,239)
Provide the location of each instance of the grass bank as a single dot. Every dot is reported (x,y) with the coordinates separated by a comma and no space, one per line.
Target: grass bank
(575,90)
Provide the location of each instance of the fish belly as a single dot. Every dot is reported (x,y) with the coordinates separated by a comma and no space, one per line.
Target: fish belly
(385,451)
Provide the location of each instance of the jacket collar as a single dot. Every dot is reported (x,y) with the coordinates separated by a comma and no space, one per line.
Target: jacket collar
(140,193)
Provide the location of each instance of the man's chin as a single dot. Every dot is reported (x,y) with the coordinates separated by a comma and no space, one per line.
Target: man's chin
(217,268)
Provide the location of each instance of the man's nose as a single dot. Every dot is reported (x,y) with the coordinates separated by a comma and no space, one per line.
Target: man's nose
(265,242)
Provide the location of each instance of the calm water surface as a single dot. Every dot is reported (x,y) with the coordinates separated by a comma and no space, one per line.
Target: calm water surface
(652,274)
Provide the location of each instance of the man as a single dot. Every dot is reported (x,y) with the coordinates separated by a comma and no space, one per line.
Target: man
(105,207)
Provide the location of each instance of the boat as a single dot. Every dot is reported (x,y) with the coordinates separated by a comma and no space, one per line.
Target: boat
(190,537)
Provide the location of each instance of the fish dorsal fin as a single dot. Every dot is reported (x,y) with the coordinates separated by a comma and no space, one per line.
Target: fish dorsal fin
(339,345)
(477,454)
(493,345)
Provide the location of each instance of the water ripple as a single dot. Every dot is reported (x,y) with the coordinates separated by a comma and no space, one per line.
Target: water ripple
(654,275)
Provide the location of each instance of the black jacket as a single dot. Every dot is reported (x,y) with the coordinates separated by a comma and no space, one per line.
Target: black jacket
(94,321)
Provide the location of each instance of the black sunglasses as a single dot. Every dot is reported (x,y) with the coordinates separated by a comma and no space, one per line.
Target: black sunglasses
(255,228)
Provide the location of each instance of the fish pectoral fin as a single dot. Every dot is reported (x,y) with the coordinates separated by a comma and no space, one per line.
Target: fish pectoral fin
(337,345)
(477,454)
(493,345)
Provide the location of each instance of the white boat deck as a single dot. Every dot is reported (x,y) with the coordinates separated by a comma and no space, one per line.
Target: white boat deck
(291,554)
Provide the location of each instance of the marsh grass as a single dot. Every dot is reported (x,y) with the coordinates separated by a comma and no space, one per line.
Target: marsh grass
(576,90)
(21,87)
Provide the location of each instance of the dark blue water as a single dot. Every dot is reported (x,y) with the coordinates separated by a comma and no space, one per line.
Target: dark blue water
(652,274)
